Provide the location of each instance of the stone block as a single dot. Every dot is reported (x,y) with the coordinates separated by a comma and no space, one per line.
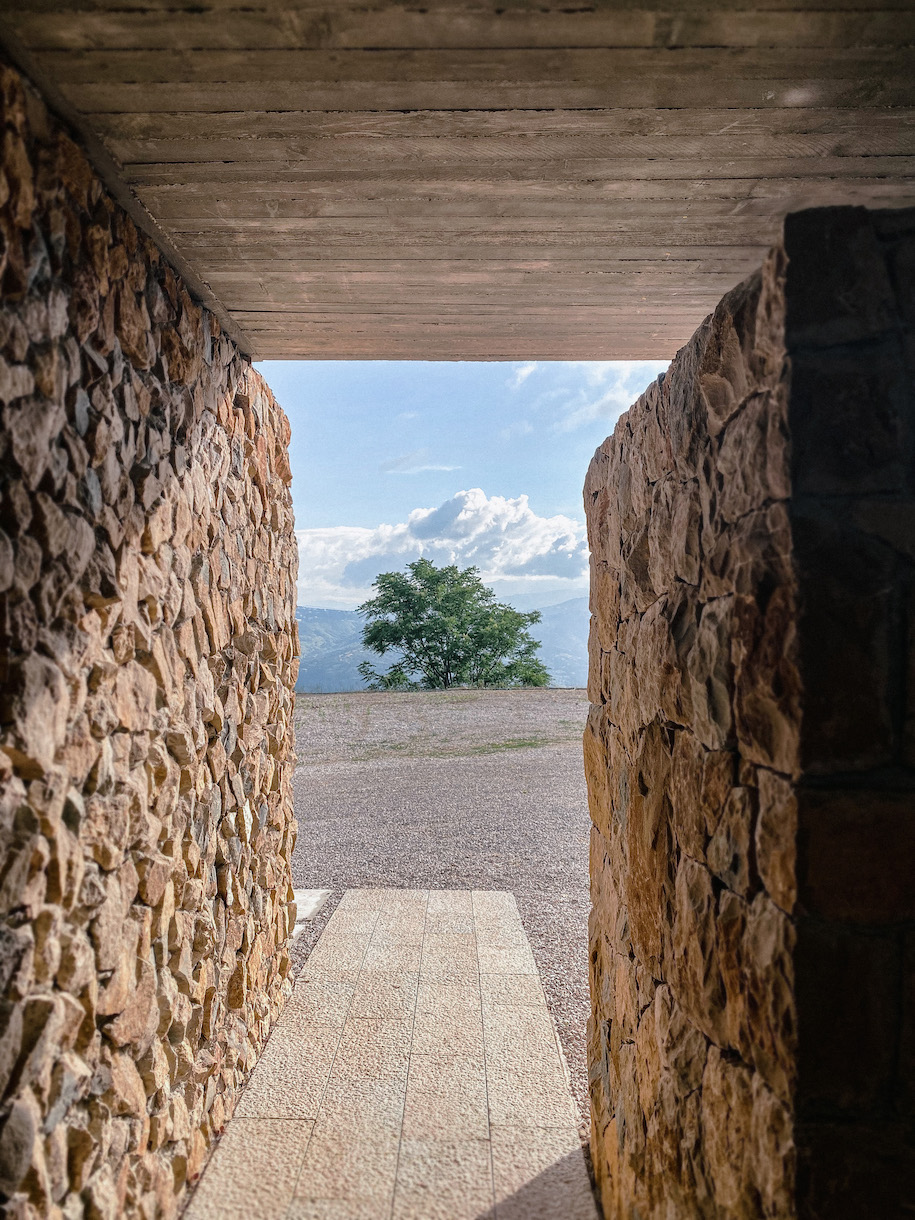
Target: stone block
(838,290)
(847,988)
(696,969)
(767,698)
(776,838)
(746,1142)
(687,815)
(711,678)
(851,1169)
(728,850)
(725,375)
(845,645)
(851,421)
(752,464)
(856,855)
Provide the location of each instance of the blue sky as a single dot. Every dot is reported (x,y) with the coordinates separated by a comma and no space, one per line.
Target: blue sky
(478,463)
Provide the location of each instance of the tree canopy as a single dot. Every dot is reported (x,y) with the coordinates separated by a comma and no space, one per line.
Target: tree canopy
(447,629)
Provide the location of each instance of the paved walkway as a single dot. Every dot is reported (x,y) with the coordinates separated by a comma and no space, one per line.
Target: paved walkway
(414,1075)
(469,789)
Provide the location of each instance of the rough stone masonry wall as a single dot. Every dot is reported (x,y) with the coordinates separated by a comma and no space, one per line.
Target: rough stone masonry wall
(147,644)
(749,750)
(850,339)
(691,749)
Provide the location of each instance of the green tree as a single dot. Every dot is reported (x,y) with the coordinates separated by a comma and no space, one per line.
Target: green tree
(448,630)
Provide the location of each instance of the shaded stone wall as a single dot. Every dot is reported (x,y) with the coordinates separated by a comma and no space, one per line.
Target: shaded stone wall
(147,661)
(850,337)
(749,748)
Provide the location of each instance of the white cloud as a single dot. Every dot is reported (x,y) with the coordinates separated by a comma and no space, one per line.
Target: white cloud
(522,428)
(414,462)
(504,538)
(615,380)
(609,406)
(521,373)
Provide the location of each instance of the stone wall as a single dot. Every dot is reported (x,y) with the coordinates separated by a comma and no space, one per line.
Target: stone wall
(850,337)
(147,661)
(749,748)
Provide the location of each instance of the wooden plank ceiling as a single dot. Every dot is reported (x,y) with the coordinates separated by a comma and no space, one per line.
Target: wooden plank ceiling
(476,179)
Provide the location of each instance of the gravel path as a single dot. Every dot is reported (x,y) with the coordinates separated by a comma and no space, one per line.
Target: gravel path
(464,789)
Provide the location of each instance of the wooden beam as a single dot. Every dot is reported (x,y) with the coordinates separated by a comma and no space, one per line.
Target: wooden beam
(679,123)
(290,26)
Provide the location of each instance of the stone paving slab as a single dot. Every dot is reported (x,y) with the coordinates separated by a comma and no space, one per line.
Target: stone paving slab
(414,1075)
(308,903)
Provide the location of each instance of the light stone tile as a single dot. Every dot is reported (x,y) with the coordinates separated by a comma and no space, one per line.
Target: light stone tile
(339,1209)
(450,924)
(506,957)
(252,1172)
(291,1074)
(448,998)
(361,899)
(337,956)
(319,1000)
(393,954)
(495,909)
(443,1180)
(351,923)
(389,994)
(511,991)
(528,1098)
(367,1106)
(399,928)
(349,1164)
(450,1026)
(308,903)
(404,900)
(524,1033)
(373,1050)
(450,902)
(449,956)
(496,933)
(493,903)
(446,1097)
(441,943)
(541,1175)
(500,933)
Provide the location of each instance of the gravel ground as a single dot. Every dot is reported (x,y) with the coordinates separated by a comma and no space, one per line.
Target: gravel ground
(456,790)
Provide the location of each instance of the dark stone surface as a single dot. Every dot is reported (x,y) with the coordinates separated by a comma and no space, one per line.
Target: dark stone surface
(847,984)
(856,858)
(846,642)
(838,287)
(851,420)
(850,297)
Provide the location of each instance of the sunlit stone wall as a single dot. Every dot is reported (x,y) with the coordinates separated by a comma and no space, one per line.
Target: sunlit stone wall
(147,662)
(749,748)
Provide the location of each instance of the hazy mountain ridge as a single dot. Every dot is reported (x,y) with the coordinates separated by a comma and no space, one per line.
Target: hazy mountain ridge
(331,646)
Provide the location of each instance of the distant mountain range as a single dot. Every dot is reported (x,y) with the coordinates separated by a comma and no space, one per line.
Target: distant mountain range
(331,646)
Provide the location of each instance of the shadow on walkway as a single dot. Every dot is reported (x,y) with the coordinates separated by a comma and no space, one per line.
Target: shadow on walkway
(560,1190)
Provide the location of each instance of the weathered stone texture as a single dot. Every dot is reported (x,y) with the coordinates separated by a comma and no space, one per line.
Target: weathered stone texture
(691,748)
(851,347)
(749,752)
(147,656)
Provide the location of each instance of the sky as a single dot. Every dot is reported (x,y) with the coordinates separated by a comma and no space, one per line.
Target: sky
(469,463)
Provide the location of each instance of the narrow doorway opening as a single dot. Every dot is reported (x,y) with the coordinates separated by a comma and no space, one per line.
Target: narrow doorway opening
(458,793)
